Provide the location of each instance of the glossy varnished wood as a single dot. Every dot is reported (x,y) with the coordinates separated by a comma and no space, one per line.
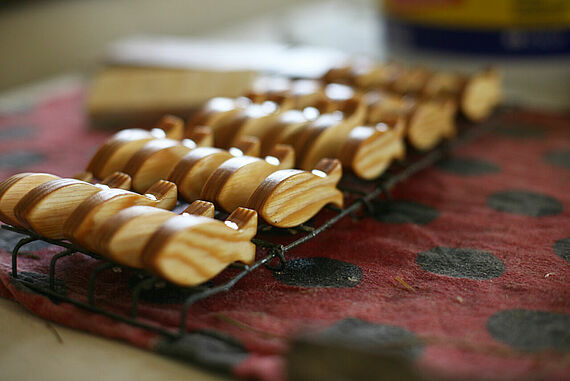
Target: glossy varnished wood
(290,197)
(477,94)
(83,224)
(117,151)
(251,121)
(123,236)
(14,188)
(155,160)
(189,250)
(192,171)
(323,138)
(286,128)
(430,122)
(481,94)
(216,111)
(45,208)
(369,150)
(233,182)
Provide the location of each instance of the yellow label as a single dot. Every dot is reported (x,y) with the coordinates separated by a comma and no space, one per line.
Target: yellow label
(483,13)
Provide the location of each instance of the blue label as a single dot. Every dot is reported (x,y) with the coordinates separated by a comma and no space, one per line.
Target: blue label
(507,42)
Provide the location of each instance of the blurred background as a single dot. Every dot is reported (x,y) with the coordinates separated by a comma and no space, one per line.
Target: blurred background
(528,39)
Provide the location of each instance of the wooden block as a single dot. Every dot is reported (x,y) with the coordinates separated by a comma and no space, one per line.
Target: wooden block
(289,197)
(481,94)
(123,237)
(202,136)
(411,81)
(325,136)
(286,128)
(274,89)
(217,111)
(430,122)
(246,146)
(444,83)
(118,180)
(114,154)
(287,93)
(343,73)
(306,92)
(126,93)
(46,207)
(83,224)
(382,105)
(374,76)
(155,160)
(14,188)
(369,150)
(252,121)
(192,171)
(200,208)
(233,182)
(189,250)
(477,95)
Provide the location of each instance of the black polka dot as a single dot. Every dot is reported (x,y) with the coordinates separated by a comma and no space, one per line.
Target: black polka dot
(213,350)
(461,263)
(373,337)
(9,239)
(467,166)
(40,280)
(562,248)
(16,132)
(401,211)
(319,272)
(162,292)
(525,203)
(520,130)
(531,330)
(19,159)
(559,158)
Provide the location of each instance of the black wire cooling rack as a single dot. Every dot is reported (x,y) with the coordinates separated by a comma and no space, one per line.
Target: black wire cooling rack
(273,256)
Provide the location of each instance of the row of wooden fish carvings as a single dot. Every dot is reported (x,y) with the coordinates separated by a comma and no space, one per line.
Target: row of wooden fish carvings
(276,153)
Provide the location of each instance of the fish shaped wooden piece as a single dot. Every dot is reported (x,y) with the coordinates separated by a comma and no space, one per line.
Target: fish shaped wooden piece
(83,224)
(289,197)
(233,182)
(189,250)
(117,151)
(14,188)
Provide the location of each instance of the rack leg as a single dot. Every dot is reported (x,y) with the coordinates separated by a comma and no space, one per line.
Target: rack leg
(216,290)
(137,292)
(93,277)
(279,253)
(54,259)
(22,242)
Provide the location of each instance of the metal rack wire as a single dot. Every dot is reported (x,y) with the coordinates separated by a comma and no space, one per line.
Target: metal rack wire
(360,195)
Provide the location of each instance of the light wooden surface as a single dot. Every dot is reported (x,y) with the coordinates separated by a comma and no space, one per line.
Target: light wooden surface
(34,349)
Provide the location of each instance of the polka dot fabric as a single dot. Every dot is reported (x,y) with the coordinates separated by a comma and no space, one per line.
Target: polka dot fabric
(469,262)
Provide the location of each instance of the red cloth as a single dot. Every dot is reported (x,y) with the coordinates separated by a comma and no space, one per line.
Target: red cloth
(472,259)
